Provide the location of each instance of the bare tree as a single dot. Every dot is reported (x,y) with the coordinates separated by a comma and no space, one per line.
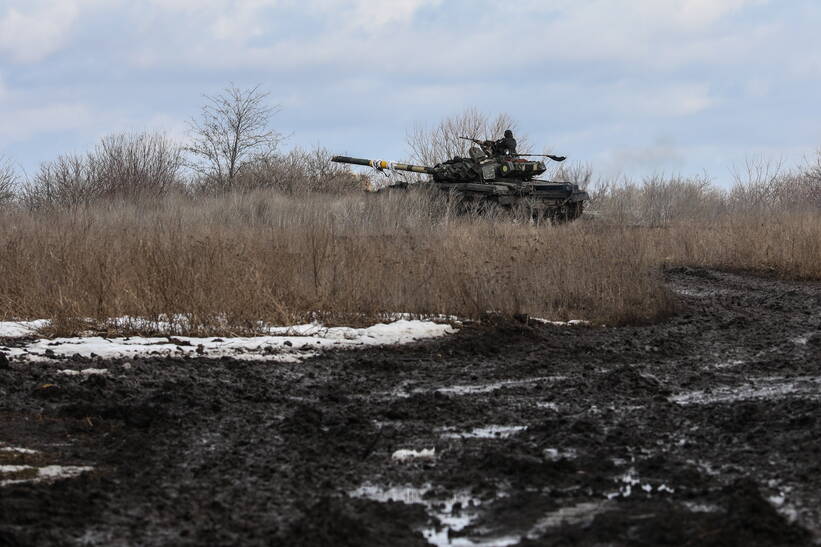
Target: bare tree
(233,129)
(8,180)
(429,146)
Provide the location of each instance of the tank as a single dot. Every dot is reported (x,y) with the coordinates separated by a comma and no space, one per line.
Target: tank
(485,179)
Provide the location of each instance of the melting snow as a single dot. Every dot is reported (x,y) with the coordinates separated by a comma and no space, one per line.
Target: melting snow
(407,455)
(21,329)
(576,514)
(630,480)
(763,388)
(488,432)
(554,454)
(84,372)
(487,388)
(701,507)
(17,450)
(49,472)
(287,344)
(571,323)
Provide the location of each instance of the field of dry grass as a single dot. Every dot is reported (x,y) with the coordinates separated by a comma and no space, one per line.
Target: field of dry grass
(217,265)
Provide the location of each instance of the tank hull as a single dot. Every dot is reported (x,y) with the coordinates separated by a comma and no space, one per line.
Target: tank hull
(559,201)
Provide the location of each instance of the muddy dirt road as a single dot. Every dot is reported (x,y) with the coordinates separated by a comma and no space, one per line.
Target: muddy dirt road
(702,430)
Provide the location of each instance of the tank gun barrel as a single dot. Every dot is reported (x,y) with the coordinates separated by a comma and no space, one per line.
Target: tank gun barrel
(381,164)
(551,156)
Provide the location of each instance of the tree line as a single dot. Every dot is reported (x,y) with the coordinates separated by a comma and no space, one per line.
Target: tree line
(232,147)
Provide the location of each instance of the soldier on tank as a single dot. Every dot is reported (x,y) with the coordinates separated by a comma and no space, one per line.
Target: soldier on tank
(505,146)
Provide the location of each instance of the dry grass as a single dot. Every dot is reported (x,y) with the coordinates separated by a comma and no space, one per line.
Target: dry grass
(789,247)
(220,265)
(228,263)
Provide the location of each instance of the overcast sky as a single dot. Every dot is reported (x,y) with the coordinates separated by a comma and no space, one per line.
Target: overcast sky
(631,86)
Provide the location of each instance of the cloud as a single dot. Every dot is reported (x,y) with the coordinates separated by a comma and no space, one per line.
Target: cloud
(379,12)
(663,101)
(373,35)
(37,29)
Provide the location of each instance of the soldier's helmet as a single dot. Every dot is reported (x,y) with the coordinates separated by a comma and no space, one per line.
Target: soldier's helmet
(508,134)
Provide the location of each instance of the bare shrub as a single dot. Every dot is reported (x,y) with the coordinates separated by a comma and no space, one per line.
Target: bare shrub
(300,171)
(68,181)
(127,166)
(657,201)
(233,131)
(429,146)
(8,181)
(140,165)
(765,187)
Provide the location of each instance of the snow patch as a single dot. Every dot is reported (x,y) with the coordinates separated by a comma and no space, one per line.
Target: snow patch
(405,455)
(763,388)
(487,388)
(46,473)
(84,372)
(21,329)
(630,480)
(17,450)
(555,455)
(62,471)
(694,507)
(285,344)
(488,432)
(582,513)
(571,323)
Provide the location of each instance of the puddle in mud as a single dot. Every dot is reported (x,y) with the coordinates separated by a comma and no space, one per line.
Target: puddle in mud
(488,432)
(487,388)
(764,388)
(455,512)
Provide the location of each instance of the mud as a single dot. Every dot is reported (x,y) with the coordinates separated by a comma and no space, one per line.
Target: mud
(701,430)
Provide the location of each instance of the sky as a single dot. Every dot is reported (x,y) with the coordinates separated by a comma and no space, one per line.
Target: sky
(632,87)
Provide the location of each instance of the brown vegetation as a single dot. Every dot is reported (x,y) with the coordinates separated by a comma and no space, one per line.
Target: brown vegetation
(226,263)
(217,264)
